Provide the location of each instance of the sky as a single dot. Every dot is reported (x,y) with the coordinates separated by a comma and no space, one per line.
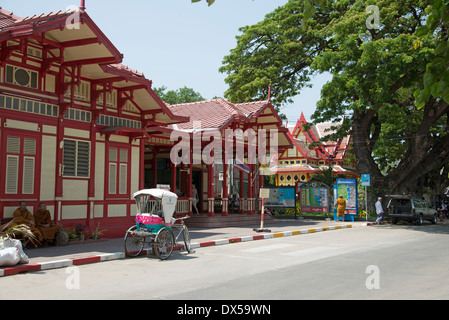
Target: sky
(176,43)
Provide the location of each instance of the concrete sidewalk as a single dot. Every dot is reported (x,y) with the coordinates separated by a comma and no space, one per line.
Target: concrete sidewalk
(113,249)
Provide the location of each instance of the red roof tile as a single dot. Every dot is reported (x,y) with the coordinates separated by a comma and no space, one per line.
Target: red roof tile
(250,108)
(213,113)
(7,18)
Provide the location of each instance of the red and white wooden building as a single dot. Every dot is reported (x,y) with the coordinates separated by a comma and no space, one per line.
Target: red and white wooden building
(218,183)
(73,120)
(82,132)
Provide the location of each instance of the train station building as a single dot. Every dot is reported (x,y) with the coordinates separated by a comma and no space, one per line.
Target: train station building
(81,132)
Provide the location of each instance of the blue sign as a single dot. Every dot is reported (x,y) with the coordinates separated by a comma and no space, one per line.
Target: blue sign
(348,189)
(366,180)
(346,181)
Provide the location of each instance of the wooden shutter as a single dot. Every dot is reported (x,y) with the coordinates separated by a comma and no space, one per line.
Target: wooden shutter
(112,178)
(13,145)
(69,158)
(12,174)
(28,175)
(123,178)
(83,159)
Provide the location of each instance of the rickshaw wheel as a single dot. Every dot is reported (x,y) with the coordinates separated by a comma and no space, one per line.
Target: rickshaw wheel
(186,235)
(164,244)
(133,243)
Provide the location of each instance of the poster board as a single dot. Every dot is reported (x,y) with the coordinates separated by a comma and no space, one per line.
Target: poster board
(348,189)
(313,197)
(280,197)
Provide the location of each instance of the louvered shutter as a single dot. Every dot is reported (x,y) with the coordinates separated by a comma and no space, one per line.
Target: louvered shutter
(13,145)
(112,178)
(83,159)
(28,175)
(123,178)
(12,174)
(69,158)
(12,165)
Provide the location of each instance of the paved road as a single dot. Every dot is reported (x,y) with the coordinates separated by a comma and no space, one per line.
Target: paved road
(381,262)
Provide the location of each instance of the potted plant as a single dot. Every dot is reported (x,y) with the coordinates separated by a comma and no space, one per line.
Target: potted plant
(77,233)
(94,234)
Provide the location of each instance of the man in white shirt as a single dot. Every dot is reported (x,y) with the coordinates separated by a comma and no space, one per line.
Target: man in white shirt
(379,211)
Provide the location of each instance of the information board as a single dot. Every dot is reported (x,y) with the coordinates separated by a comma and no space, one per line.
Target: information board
(314,199)
(280,197)
(348,189)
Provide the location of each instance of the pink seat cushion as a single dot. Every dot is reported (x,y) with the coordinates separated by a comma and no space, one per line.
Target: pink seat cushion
(149,219)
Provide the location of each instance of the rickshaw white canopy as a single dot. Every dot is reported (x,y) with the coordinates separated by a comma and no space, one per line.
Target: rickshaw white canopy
(167,198)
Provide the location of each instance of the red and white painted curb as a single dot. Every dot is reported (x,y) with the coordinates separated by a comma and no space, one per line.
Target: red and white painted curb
(121,255)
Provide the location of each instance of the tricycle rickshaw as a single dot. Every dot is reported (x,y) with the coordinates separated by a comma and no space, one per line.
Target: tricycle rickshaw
(156,225)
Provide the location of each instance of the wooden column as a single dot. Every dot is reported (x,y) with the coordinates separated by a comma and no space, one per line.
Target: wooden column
(241,211)
(189,182)
(173,178)
(142,165)
(225,197)
(210,191)
(154,168)
(251,187)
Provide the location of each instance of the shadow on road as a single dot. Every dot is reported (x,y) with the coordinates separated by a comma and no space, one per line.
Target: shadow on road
(439,228)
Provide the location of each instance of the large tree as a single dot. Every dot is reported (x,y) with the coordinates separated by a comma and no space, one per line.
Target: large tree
(182,95)
(402,140)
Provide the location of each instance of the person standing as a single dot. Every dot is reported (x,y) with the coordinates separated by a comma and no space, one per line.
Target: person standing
(379,211)
(341,208)
(195,199)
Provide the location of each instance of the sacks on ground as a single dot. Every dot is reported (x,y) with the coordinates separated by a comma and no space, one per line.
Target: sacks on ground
(9,257)
(12,243)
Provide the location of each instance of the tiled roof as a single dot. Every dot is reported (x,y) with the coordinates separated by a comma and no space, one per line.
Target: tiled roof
(296,169)
(250,108)
(311,169)
(7,18)
(128,69)
(214,113)
(44,17)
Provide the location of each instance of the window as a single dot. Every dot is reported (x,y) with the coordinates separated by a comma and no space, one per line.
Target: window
(76,159)
(23,105)
(111,99)
(21,77)
(78,115)
(81,92)
(118,171)
(110,121)
(20,165)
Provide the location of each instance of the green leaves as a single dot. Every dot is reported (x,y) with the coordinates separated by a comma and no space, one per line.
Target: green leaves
(436,77)
(182,95)
(209,2)
(277,51)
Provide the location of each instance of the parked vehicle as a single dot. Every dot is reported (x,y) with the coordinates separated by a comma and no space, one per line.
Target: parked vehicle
(403,207)
(157,228)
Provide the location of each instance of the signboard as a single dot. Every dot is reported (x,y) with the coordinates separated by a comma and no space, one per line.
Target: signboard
(366,180)
(348,189)
(264,193)
(280,197)
(313,198)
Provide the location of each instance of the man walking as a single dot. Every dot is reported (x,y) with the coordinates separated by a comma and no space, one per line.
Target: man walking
(379,211)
